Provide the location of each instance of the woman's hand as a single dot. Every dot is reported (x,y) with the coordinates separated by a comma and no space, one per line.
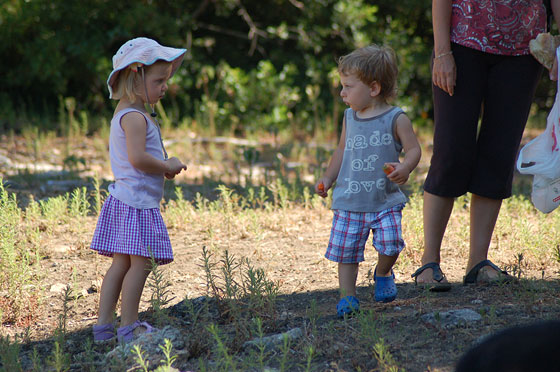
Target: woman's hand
(444,73)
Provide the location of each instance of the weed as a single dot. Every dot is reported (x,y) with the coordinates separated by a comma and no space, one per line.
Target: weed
(140,360)
(167,347)
(556,253)
(313,315)
(89,355)
(284,350)
(260,345)
(370,326)
(160,292)
(9,354)
(36,361)
(385,360)
(310,350)
(55,209)
(227,362)
(517,268)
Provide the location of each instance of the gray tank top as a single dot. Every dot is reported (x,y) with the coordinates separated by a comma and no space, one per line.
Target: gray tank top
(362,186)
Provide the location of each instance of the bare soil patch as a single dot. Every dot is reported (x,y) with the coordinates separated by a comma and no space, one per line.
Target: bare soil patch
(289,246)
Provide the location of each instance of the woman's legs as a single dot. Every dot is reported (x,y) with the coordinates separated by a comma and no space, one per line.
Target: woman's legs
(436,213)
(132,287)
(111,288)
(511,80)
(483,217)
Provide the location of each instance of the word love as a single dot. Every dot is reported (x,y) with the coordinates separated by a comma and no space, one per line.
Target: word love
(355,187)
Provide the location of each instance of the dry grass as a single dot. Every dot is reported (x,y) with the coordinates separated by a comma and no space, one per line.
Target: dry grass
(284,232)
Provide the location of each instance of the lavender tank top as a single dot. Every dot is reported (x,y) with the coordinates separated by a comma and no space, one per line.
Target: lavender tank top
(132,186)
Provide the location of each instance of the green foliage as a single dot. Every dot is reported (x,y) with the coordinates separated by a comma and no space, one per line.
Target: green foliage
(240,289)
(9,355)
(249,67)
(161,295)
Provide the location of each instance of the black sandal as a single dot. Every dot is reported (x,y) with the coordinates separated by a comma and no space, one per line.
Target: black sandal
(437,275)
(472,275)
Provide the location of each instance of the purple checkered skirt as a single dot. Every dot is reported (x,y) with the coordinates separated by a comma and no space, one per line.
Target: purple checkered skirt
(127,230)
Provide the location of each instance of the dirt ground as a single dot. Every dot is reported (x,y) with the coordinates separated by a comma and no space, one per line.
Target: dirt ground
(291,252)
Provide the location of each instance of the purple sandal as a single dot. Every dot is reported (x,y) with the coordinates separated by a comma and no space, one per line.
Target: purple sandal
(126,334)
(103,332)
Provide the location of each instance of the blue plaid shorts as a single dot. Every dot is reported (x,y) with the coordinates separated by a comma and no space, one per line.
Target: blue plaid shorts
(350,231)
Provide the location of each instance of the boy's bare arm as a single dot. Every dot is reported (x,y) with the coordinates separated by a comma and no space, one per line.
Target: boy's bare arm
(334,165)
(412,151)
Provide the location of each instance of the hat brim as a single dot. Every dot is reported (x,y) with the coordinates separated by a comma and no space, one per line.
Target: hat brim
(175,57)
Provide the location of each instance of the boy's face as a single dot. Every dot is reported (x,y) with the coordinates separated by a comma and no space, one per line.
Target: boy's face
(355,93)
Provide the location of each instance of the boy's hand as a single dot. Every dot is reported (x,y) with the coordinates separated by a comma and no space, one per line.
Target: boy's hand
(400,173)
(174,167)
(322,187)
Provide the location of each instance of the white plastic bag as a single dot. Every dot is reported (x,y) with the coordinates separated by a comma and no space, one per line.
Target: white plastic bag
(541,158)
(546,193)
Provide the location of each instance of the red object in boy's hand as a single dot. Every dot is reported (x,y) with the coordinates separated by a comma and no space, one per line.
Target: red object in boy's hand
(388,169)
(321,187)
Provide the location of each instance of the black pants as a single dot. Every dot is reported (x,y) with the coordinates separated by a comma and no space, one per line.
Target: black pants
(481,161)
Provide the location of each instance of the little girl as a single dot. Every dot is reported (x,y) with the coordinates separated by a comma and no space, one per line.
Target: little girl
(130,227)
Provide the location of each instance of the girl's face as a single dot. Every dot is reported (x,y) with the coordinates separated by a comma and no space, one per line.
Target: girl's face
(156,82)
(355,93)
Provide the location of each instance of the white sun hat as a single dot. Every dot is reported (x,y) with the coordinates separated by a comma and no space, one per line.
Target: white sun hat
(142,51)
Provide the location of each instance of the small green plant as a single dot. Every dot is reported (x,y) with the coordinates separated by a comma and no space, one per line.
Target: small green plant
(36,361)
(284,352)
(96,194)
(55,209)
(89,356)
(261,347)
(161,293)
(140,359)
(310,351)
(385,360)
(59,360)
(238,286)
(370,326)
(167,348)
(226,361)
(9,354)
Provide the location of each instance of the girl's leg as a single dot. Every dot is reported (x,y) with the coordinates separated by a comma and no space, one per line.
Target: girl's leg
(111,288)
(132,287)
(347,276)
(436,212)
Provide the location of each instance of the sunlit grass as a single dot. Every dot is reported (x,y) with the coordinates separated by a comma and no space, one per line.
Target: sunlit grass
(254,204)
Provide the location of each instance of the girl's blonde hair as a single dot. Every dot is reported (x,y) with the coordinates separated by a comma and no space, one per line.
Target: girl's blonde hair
(373,63)
(129,83)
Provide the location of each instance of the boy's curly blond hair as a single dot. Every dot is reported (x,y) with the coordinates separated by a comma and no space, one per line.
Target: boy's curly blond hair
(373,63)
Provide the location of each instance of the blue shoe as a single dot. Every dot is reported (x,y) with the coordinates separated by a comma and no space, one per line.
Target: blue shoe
(385,287)
(347,306)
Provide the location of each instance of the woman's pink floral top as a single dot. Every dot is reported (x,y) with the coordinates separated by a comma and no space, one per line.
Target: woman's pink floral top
(497,26)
